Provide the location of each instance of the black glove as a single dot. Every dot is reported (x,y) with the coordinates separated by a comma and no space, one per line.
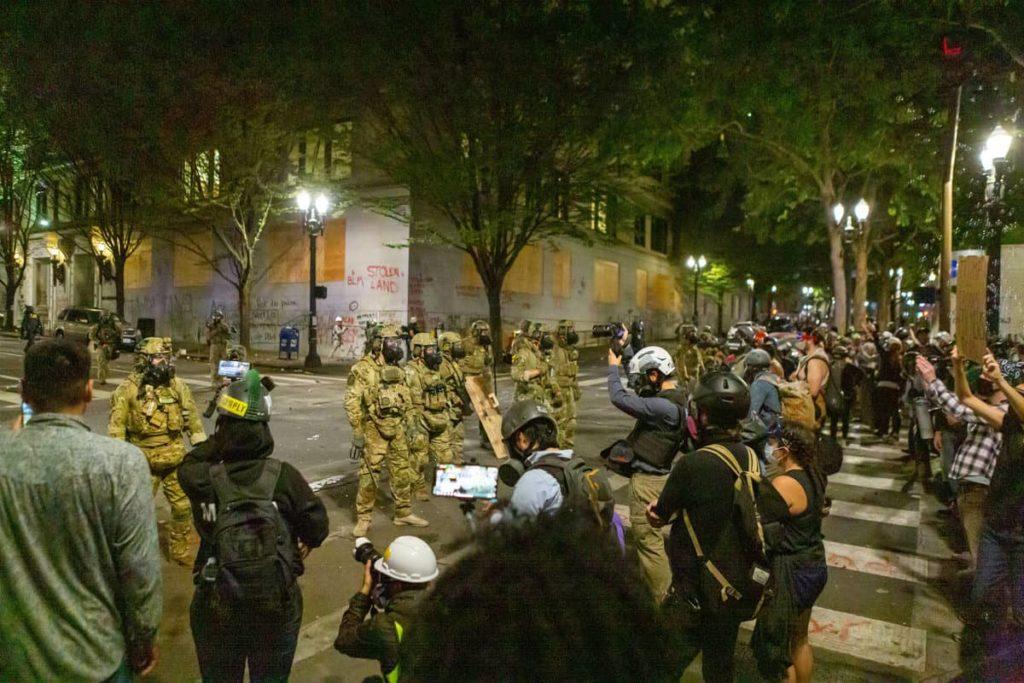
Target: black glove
(356,452)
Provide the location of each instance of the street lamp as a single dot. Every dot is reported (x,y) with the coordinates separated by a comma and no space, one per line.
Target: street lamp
(771,303)
(897,274)
(313,214)
(753,301)
(994,163)
(860,211)
(696,265)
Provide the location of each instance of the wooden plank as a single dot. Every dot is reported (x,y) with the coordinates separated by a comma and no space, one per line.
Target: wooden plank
(486,408)
(971,328)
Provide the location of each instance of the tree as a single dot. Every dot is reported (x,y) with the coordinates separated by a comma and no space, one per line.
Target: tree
(512,122)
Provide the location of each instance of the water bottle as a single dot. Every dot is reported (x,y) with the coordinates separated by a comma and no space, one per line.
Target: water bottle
(924,418)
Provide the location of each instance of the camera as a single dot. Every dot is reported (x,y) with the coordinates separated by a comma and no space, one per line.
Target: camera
(613,330)
(365,551)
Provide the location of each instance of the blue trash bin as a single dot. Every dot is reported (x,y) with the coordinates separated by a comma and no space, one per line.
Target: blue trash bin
(288,342)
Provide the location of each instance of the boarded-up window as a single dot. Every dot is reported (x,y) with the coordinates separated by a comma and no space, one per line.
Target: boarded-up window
(561,273)
(468,277)
(189,269)
(663,294)
(333,252)
(606,282)
(526,274)
(138,269)
(287,250)
(641,288)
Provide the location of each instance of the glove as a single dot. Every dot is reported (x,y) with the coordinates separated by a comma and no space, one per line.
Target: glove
(358,443)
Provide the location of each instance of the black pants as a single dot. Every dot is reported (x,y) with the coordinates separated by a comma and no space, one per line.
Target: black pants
(844,417)
(887,411)
(226,639)
(713,636)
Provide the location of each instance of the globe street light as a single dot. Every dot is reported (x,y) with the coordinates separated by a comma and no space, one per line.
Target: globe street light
(696,265)
(994,163)
(313,214)
(753,300)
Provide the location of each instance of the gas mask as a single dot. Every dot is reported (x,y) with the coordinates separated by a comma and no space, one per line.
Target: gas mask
(431,357)
(547,343)
(458,351)
(641,383)
(392,350)
(158,375)
(375,346)
(571,338)
(484,339)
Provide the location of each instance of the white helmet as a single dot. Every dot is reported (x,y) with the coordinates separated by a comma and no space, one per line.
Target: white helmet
(652,358)
(337,319)
(408,559)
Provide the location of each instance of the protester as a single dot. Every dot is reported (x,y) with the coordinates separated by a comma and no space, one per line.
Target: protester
(80,582)
(798,558)
(393,586)
(651,447)
(257,520)
(541,601)
(702,486)
(765,403)
(888,385)
(813,369)
(975,459)
(849,377)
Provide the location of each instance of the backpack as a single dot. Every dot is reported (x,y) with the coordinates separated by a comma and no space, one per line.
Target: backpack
(737,577)
(835,402)
(797,404)
(252,545)
(828,455)
(586,490)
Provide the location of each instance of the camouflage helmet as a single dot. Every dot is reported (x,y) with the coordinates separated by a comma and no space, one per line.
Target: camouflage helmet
(421,339)
(155,346)
(245,399)
(479,327)
(390,330)
(449,339)
(565,325)
(537,329)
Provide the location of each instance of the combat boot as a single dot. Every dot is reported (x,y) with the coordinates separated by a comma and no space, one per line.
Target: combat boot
(411,520)
(361,528)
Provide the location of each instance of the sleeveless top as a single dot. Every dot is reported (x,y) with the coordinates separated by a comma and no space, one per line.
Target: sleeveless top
(801,534)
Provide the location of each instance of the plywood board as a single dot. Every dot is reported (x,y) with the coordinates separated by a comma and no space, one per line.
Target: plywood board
(971,336)
(490,416)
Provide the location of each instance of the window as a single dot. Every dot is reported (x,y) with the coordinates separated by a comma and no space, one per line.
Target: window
(640,231)
(599,213)
(338,152)
(659,235)
(663,293)
(138,269)
(606,282)
(561,273)
(526,274)
(287,248)
(56,201)
(469,277)
(640,297)
(41,198)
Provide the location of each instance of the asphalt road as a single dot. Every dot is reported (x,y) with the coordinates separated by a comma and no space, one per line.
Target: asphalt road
(886,613)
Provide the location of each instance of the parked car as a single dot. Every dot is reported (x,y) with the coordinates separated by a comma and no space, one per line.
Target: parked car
(76,322)
(130,335)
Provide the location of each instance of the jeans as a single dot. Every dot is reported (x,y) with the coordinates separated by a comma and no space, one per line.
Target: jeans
(227,638)
(1000,573)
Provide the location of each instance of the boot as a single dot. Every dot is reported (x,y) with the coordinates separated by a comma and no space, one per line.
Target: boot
(361,528)
(411,520)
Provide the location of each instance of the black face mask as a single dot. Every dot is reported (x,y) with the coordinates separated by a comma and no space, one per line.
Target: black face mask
(392,351)
(547,343)
(571,337)
(432,358)
(484,339)
(458,351)
(157,375)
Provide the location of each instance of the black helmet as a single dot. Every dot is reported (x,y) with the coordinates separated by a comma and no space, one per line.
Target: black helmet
(724,397)
(522,413)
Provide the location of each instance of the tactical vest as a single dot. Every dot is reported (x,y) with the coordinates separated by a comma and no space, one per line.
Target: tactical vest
(655,445)
(387,402)
(159,412)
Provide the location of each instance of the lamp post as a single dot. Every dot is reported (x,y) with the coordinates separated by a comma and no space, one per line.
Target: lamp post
(897,274)
(313,214)
(696,265)
(771,301)
(993,162)
(753,301)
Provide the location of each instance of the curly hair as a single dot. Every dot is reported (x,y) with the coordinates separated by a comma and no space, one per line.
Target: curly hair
(549,600)
(803,448)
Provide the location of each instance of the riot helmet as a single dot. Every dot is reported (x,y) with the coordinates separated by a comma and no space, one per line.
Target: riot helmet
(424,347)
(246,399)
(538,426)
(451,345)
(649,369)
(722,397)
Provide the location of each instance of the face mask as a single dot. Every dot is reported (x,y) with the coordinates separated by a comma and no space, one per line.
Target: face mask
(157,375)
(485,340)
(770,455)
(571,338)
(432,358)
(392,351)
(458,351)
(547,343)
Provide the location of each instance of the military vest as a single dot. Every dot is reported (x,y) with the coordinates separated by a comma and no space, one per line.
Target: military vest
(157,411)
(655,445)
(388,402)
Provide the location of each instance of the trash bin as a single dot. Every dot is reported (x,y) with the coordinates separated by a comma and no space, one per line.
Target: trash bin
(146,327)
(288,342)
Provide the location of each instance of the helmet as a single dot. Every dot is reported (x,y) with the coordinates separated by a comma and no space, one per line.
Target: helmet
(522,413)
(423,339)
(337,319)
(155,346)
(758,359)
(479,327)
(686,331)
(724,397)
(567,332)
(408,559)
(652,358)
(217,314)
(943,339)
(536,330)
(840,351)
(246,399)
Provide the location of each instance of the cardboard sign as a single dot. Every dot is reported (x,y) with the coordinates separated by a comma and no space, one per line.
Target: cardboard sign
(490,416)
(971,328)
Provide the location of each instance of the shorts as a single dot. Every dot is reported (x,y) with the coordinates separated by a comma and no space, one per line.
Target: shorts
(808,582)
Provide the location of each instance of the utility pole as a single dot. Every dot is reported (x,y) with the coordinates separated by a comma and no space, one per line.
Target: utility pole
(946,265)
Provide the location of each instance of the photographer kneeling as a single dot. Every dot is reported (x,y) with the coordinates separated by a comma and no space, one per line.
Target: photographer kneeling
(393,585)
(646,455)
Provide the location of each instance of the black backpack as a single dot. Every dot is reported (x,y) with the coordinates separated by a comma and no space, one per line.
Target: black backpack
(252,543)
(586,490)
(735,575)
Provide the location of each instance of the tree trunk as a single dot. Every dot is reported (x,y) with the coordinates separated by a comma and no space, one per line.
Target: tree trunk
(860,289)
(884,299)
(10,292)
(719,301)
(244,290)
(119,286)
(494,313)
(835,243)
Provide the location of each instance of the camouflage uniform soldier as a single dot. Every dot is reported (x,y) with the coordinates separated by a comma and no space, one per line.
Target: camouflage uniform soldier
(531,371)
(565,364)
(429,425)
(154,410)
(478,362)
(217,336)
(458,400)
(688,357)
(521,339)
(104,336)
(378,403)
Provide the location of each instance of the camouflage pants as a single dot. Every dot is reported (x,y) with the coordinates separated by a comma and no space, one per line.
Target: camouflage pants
(565,416)
(532,391)
(458,439)
(101,360)
(401,473)
(217,353)
(426,451)
(163,470)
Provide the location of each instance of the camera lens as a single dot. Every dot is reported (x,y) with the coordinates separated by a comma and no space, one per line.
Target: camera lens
(364,551)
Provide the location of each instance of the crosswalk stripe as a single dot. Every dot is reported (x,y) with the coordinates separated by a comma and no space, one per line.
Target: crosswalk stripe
(885,563)
(875,513)
(849,459)
(593,382)
(864,481)
(10,397)
(893,645)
